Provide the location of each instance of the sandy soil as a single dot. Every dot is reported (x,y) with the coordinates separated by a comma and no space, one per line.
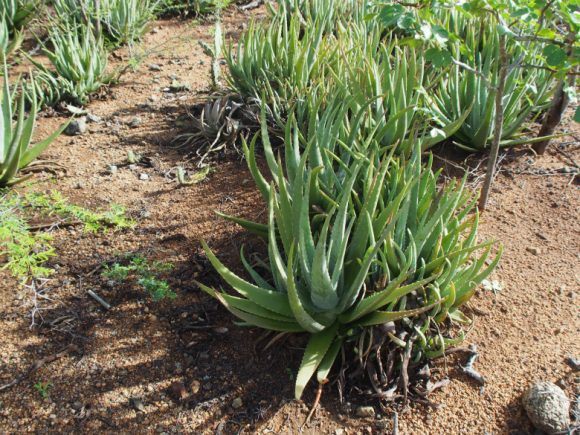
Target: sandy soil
(139,348)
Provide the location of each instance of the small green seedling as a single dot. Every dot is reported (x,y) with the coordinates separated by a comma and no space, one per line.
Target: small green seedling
(42,388)
(145,274)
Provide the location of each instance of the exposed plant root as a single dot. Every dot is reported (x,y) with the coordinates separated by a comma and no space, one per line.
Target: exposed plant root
(315,404)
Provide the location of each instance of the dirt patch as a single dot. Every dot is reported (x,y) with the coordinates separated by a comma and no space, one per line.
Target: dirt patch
(126,360)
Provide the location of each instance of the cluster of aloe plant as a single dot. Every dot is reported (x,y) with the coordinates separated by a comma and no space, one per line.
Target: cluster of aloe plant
(192,7)
(14,14)
(16,131)
(78,65)
(311,48)
(17,13)
(123,21)
(357,236)
(473,85)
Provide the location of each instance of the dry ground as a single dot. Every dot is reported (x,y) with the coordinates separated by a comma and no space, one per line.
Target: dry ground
(139,348)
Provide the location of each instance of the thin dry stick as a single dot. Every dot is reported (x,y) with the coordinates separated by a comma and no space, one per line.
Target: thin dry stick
(498,127)
(38,364)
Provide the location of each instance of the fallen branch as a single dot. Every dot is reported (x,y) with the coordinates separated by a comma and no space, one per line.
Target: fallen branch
(38,364)
(100,300)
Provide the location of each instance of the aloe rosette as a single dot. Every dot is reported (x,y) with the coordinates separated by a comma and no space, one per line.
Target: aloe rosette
(387,245)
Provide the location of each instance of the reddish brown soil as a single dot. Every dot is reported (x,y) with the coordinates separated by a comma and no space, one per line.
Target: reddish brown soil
(139,347)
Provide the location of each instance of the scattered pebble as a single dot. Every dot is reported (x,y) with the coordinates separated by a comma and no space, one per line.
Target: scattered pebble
(179,87)
(135,122)
(195,386)
(365,411)
(547,407)
(237,403)
(76,127)
(143,177)
(137,404)
(533,250)
(574,363)
(92,118)
(154,67)
(113,169)
(221,330)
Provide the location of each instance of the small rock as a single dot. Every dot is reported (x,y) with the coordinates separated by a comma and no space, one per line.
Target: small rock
(153,98)
(365,411)
(135,122)
(221,330)
(339,432)
(113,169)
(77,406)
(92,118)
(547,407)
(178,391)
(79,185)
(179,87)
(143,177)
(574,363)
(533,250)
(76,127)
(154,67)
(237,403)
(195,386)
(137,404)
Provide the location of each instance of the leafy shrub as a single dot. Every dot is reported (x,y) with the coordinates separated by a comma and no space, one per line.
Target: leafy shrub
(146,275)
(24,252)
(16,151)
(79,59)
(379,243)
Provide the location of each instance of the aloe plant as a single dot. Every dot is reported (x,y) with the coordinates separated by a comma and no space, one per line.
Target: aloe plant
(79,59)
(17,13)
(383,244)
(526,90)
(10,39)
(123,21)
(16,151)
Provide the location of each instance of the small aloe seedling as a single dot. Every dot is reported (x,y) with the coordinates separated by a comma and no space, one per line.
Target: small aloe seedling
(215,53)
